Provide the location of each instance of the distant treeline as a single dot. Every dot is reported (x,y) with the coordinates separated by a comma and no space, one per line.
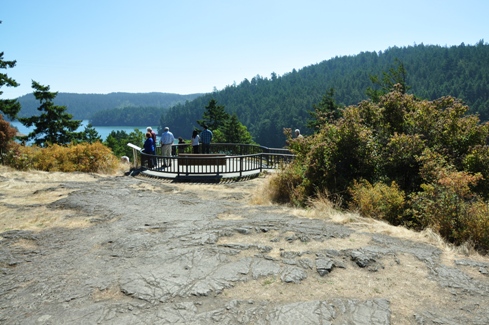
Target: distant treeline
(267,105)
(85,106)
(128,116)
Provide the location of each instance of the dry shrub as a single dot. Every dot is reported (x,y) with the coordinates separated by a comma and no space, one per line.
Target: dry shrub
(83,157)
(449,207)
(378,201)
(19,157)
(285,186)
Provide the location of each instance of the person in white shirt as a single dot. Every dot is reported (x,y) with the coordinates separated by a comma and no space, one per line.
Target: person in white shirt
(195,141)
(167,140)
(298,133)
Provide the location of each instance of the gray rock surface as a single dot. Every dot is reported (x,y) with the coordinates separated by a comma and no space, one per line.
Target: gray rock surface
(156,253)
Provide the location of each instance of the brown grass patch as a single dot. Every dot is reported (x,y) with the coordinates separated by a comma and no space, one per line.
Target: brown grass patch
(26,194)
(393,283)
(229,216)
(111,293)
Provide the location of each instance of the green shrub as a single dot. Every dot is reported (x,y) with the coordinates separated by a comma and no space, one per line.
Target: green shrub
(477,161)
(378,201)
(433,154)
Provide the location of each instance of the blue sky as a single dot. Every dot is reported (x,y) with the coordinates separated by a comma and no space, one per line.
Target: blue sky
(194,46)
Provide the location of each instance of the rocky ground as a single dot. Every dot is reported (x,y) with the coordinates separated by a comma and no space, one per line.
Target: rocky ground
(93,249)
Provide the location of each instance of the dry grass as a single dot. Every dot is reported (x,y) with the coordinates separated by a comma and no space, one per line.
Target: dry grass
(111,293)
(323,208)
(25,196)
(393,283)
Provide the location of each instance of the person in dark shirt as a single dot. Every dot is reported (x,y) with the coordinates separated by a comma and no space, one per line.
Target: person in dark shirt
(149,149)
(206,138)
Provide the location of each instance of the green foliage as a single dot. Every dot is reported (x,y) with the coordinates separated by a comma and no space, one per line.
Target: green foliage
(114,108)
(394,76)
(477,162)
(378,201)
(327,110)
(398,160)
(9,107)
(54,125)
(214,116)
(433,154)
(90,135)
(118,140)
(84,157)
(235,132)
(127,116)
(267,105)
(226,128)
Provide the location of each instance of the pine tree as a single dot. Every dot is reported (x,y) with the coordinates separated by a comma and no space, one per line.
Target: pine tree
(395,75)
(324,112)
(214,116)
(9,107)
(235,132)
(54,125)
(91,135)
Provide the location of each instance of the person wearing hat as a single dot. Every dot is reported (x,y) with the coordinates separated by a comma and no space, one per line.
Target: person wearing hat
(167,140)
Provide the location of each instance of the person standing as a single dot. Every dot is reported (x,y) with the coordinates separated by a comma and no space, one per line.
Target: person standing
(149,150)
(181,145)
(153,134)
(206,137)
(167,140)
(298,133)
(195,141)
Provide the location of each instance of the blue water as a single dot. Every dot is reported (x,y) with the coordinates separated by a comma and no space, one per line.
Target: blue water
(103,131)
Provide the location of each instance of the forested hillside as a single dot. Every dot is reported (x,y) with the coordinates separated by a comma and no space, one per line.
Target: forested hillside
(84,106)
(268,104)
(127,116)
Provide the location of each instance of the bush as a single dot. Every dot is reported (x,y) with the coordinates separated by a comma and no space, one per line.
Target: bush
(287,187)
(433,154)
(83,157)
(447,205)
(378,201)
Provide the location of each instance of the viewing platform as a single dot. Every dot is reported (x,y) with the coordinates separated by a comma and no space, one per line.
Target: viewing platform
(225,161)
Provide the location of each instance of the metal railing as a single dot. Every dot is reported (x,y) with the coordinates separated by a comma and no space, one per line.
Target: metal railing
(224,158)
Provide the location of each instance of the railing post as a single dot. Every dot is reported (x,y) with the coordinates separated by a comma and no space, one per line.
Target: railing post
(217,165)
(240,166)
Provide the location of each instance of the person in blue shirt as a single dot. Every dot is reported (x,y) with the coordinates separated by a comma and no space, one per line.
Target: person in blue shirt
(149,149)
(206,138)
(167,140)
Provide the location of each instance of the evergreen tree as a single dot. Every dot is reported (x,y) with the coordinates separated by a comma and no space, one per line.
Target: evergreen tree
(54,125)
(326,111)
(235,132)
(9,107)
(214,116)
(395,75)
(118,140)
(91,135)
(226,128)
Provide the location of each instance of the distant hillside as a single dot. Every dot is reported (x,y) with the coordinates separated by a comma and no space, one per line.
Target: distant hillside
(84,106)
(267,105)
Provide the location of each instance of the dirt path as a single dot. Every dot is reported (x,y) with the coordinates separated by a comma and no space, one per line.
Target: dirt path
(92,249)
